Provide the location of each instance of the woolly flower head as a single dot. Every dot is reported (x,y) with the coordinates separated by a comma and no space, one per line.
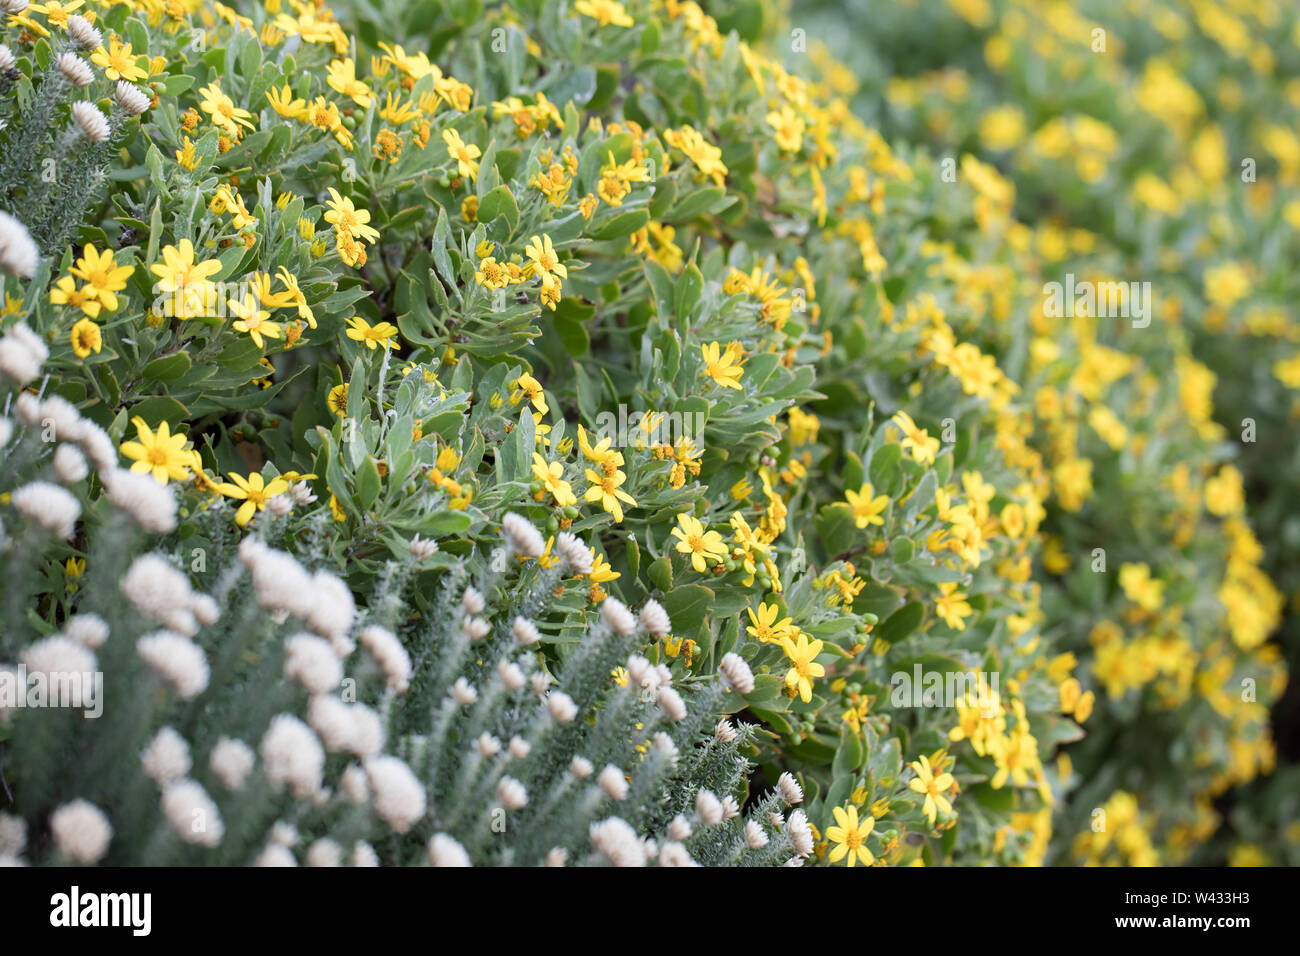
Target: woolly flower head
(18,254)
(6,54)
(511,677)
(88,630)
(422,549)
(578,556)
(581,767)
(561,707)
(755,835)
(81,831)
(524,539)
(389,654)
(511,794)
(674,854)
(70,465)
(192,814)
(83,33)
(13,834)
(618,617)
(612,781)
(292,756)
(129,97)
(160,592)
(49,506)
(617,842)
(800,833)
(724,733)
(152,506)
(791,792)
(679,829)
(398,795)
(472,601)
(74,69)
(57,655)
(655,619)
(708,808)
(671,703)
(445,851)
(231,762)
(463,692)
(311,661)
(167,757)
(736,673)
(90,122)
(177,660)
(325,853)
(332,609)
(525,632)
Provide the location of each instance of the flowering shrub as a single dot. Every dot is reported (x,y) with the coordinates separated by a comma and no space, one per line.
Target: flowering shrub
(362,367)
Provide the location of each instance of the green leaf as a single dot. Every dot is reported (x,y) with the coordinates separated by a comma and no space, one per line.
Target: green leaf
(687,290)
(901,623)
(500,202)
(687,605)
(368,482)
(160,408)
(169,367)
(660,574)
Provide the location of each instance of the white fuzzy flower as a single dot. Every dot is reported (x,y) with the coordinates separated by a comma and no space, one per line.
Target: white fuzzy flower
(463,693)
(167,757)
(192,814)
(324,852)
(57,655)
(422,549)
(671,703)
(476,628)
(284,834)
(557,856)
(612,781)
(6,54)
(519,748)
(275,855)
(488,745)
(332,609)
(755,835)
(204,609)
(231,762)
(18,256)
(353,785)
(617,842)
(445,851)
(791,792)
(279,505)
(301,494)
(618,617)
(389,654)
(13,834)
(398,795)
(81,831)
(511,677)
(664,746)
(655,619)
(708,808)
(90,122)
(736,673)
(333,722)
(730,808)
(70,465)
(581,767)
(511,794)
(364,855)
(679,829)
(152,506)
(177,660)
(524,539)
(368,731)
(74,69)
(574,552)
(724,733)
(674,854)
(99,448)
(525,632)
(83,33)
(472,601)
(129,97)
(800,833)
(311,661)
(292,756)
(541,683)
(16,363)
(561,707)
(6,431)
(53,508)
